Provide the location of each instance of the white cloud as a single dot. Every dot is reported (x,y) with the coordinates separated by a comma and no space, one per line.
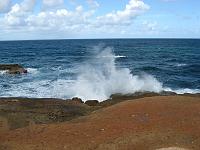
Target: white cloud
(93,3)
(62,20)
(4,5)
(18,13)
(27,5)
(52,3)
(80,18)
(133,8)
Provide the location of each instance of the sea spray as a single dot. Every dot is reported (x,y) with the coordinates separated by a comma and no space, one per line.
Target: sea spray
(96,78)
(59,69)
(99,78)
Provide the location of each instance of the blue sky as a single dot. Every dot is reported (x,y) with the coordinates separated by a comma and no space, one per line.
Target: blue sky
(63,19)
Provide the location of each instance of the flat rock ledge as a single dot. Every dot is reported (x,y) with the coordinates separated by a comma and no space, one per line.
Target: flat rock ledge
(13,68)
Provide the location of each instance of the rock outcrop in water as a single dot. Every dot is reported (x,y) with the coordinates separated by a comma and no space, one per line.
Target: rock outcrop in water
(12,68)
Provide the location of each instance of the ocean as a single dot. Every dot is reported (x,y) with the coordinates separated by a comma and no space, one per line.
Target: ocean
(95,69)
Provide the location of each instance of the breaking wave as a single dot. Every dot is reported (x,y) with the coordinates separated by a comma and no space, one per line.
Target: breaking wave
(99,78)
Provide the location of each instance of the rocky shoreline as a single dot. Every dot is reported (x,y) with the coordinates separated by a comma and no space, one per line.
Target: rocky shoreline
(145,121)
(20,112)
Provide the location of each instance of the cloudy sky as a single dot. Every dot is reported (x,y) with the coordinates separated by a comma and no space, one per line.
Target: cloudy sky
(63,19)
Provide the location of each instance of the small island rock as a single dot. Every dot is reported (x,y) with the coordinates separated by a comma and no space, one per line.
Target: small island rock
(12,68)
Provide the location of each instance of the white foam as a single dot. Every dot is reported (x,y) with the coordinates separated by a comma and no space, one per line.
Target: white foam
(99,78)
(32,70)
(183,90)
(2,72)
(40,89)
(117,56)
(120,56)
(181,65)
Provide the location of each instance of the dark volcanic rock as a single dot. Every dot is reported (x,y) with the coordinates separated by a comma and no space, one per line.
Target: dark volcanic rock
(13,68)
(92,102)
(76,100)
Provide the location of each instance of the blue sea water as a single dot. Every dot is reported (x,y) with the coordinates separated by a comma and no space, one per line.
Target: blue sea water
(95,69)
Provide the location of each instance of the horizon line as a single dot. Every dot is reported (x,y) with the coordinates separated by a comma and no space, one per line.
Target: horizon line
(51,39)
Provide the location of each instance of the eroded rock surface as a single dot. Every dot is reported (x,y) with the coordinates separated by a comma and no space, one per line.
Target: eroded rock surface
(150,123)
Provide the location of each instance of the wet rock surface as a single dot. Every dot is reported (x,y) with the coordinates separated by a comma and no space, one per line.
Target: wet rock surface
(92,102)
(12,68)
(77,100)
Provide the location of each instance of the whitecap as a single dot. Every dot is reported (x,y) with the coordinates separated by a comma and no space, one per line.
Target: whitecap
(180,65)
(117,56)
(186,90)
(120,56)
(98,78)
(183,90)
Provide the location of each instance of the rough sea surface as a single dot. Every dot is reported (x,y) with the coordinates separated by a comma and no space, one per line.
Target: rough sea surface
(95,69)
